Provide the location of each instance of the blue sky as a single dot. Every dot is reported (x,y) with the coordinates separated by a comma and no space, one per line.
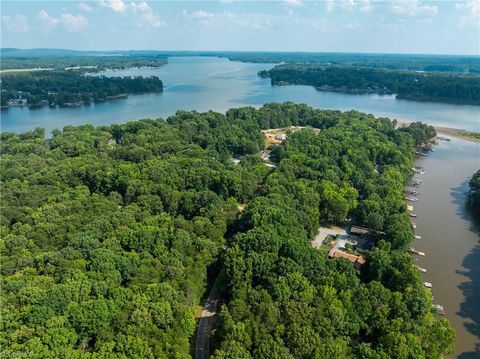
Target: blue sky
(407,26)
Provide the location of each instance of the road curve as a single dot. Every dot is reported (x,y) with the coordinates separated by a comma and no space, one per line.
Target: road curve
(205,323)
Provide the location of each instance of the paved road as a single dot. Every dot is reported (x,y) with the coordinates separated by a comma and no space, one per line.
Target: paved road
(205,323)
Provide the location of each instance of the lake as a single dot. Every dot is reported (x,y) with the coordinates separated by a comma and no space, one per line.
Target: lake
(204,83)
(449,234)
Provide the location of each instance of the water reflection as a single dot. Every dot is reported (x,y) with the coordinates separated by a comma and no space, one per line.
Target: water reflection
(470,287)
(469,308)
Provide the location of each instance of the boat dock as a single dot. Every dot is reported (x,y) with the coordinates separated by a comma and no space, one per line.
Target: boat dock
(439,309)
(414,251)
(423,270)
(419,170)
(441,138)
(420,153)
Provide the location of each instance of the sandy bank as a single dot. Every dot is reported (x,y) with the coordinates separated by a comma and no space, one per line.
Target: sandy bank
(453,132)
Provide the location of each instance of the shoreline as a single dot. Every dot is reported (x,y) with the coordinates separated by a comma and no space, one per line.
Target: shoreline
(449,131)
(461,134)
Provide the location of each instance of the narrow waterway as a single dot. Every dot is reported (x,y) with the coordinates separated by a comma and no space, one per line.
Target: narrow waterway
(450,238)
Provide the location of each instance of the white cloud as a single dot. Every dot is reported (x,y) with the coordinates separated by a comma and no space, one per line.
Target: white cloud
(84,7)
(471,10)
(143,13)
(17,23)
(47,19)
(349,5)
(70,22)
(293,2)
(146,14)
(353,25)
(330,5)
(201,14)
(228,19)
(413,8)
(115,5)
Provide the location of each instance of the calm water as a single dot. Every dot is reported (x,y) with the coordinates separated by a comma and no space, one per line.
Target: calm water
(450,239)
(204,83)
(449,235)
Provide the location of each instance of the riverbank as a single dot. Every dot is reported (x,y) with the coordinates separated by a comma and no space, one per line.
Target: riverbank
(452,132)
(461,134)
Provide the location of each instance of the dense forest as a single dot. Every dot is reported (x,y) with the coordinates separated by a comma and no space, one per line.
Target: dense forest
(475,191)
(411,85)
(110,235)
(70,88)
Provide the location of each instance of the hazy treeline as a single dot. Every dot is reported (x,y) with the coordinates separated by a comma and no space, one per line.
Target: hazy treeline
(414,62)
(89,63)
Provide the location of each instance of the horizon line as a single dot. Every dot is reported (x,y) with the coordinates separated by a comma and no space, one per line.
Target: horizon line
(246,51)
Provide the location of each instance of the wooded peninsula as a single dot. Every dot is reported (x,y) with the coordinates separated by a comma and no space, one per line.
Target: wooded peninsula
(410,85)
(111,235)
(70,81)
(70,88)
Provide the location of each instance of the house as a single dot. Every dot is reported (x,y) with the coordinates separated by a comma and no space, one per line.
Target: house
(281,136)
(357,261)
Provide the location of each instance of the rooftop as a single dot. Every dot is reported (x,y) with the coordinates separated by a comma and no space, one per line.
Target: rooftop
(335,253)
